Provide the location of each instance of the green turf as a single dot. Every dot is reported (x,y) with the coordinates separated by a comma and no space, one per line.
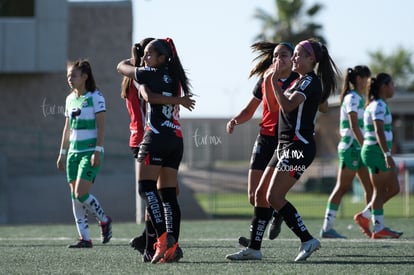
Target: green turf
(42,250)
(309,205)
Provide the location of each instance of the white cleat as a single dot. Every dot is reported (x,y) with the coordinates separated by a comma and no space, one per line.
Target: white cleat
(306,249)
(245,254)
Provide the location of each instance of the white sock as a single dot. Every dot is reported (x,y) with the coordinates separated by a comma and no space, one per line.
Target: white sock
(367,211)
(94,207)
(81,219)
(328,222)
(378,221)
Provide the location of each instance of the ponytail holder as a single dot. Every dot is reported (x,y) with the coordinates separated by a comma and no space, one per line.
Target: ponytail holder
(172,47)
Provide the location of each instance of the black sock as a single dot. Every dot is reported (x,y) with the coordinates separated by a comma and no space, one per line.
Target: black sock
(258,226)
(148,192)
(294,222)
(172,211)
(150,235)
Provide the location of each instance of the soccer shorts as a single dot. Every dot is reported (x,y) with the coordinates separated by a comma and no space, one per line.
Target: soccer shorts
(160,149)
(262,153)
(79,166)
(373,157)
(350,158)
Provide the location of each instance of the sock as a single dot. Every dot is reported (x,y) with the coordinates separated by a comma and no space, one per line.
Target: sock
(150,235)
(294,222)
(378,219)
(258,226)
(367,211)
(330,216)
(172,211)
(148,192)
(81,219)
(93,206)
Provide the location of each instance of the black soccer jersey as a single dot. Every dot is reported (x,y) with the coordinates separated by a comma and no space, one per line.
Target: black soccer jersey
(161,118)
(299,123)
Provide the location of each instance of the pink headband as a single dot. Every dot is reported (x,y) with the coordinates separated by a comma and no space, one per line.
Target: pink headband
(308,47)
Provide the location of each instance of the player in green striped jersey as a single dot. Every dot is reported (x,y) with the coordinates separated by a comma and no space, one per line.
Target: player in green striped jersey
(349,148)
(81,152)
(376,152)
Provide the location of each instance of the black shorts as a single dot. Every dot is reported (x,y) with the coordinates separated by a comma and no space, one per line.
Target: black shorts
(262,153)
(135,151)
(162,150)
(293,157)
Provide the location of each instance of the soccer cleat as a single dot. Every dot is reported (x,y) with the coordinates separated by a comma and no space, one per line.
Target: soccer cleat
(147,256)
(170,254)
(164,242)
(306,249)
(81,244)
(106,230)
(363,224)
(245,254)
(243,241)
(138,243)
(178,254)
(386,233)
(275,227)
(331,234)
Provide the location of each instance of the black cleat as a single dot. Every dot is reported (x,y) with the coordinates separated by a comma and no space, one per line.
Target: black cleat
(106,230)
(81,244)
(138,243)
(275,227)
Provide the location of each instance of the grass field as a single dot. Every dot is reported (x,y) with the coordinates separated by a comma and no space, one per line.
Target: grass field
(41,249)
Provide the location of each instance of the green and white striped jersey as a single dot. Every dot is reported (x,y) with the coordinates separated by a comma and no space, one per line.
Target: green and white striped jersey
(377,110)
(82,114)
(353,102)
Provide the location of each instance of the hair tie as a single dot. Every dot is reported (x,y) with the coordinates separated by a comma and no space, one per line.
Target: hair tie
(308,47)
(172,47)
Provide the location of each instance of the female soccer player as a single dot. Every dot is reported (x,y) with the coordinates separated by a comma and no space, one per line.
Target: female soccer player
(266,141)
(296,146)
(355,88)
(81,150)
(376,152)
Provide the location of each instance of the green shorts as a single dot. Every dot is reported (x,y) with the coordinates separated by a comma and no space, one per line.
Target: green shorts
(350,158)
(78,166)
(373,157)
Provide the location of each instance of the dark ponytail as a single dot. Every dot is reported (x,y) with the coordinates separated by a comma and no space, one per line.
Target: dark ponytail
(327,70)
(136,55)
(376,83)
(350,78)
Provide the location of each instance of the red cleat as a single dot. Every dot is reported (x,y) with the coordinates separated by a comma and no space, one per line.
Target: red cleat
(386,233)
(363,224)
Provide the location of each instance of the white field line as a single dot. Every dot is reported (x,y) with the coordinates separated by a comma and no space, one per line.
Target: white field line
(184,240)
